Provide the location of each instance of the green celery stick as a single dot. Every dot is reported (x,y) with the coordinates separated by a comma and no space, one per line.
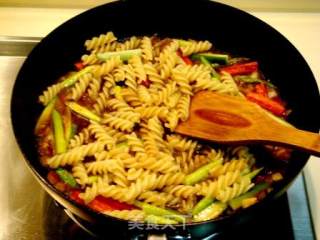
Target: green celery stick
(159,220)
(74,128)
(202,204)
(237,202)
(213,71)
(153,210)
(59,140)
(124,55)
(245,171)
(84,112)
(201,173)
(74,78)
(211,212)
(45,115)
(66,177)
(67,125)
(211,57)
(254,173)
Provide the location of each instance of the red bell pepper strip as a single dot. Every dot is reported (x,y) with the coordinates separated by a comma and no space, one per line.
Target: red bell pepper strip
(53,177)
(102,204)
(261,89)
(79,65)
(74,195)
(241,68)
(186,59)
(279,100)
(267,103)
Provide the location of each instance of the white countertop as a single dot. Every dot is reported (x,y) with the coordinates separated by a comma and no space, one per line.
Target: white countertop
(302,29)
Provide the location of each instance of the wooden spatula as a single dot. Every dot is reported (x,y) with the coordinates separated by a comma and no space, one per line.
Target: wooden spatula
(227,119)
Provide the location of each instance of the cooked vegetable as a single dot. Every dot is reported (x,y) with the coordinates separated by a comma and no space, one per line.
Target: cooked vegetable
(211,57)
(153,210)
(79,65)
(66,177)
(59,140)
(53,177)
(201,173)
(75,196)
(124,55)
(45,115)
(102,204)
(185,59)
(261,89)
(84,112)
(75,77)
(159,220)
(202,204)
(211,212)
(213,71)
(266,103)
(249,202)
(241,68)
(254,173)
(237,202)
(68,131)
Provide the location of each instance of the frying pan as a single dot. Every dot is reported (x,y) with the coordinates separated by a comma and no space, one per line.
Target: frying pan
(228,28)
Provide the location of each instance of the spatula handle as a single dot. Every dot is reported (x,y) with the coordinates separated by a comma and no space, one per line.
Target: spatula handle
(299,139)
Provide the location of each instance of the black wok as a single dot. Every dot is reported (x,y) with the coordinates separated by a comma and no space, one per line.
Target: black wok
(228,28)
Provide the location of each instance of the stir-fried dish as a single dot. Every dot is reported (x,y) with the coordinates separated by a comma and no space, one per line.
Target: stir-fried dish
(106,133)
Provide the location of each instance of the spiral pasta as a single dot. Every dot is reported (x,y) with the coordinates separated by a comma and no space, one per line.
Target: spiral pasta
(195,47)
(163,95)
(90,59)
(119,134)
(80,173)
(97,42)
(131,97)
(80,87)
(144,95)
(212,188)
(118,123)
(229,84)
(51,92)
(107,67)
(75,155)
(159,198)
(146,46)
(91,192)
(237,189)
(138,68)
(231,166)
(80,139)
(183,107)
(152,74)
(101,135)
(131,43)
(182,81)
(167,66)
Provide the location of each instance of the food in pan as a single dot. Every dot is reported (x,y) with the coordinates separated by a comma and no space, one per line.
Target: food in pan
(106,133)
